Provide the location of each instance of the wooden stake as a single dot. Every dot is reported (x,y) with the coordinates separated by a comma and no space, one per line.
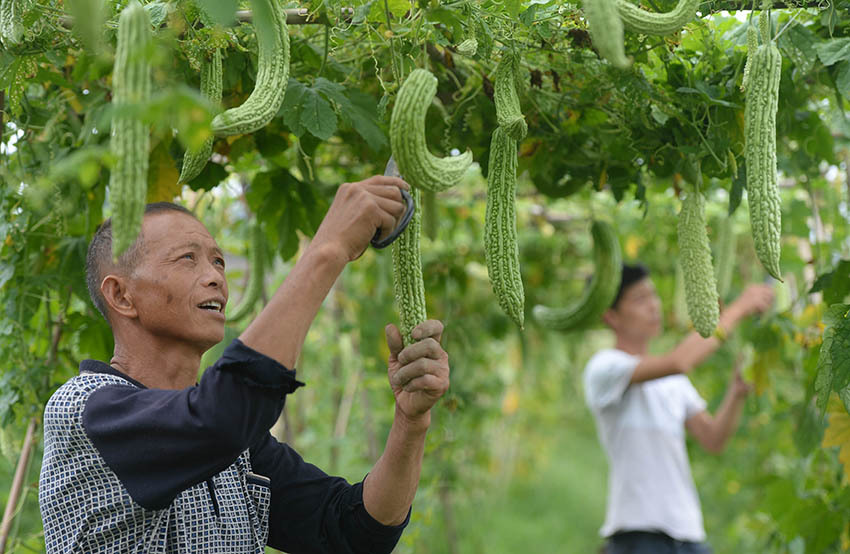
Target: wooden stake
(17,485)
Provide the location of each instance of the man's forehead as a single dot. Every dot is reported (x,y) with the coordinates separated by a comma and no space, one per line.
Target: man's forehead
(171,230)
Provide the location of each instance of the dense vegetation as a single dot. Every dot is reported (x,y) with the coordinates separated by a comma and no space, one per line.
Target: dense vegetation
(512,459)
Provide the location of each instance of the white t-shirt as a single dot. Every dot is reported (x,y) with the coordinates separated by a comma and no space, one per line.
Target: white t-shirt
(642,428)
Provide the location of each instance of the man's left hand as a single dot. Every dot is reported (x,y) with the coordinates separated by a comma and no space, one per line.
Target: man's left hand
(419,373)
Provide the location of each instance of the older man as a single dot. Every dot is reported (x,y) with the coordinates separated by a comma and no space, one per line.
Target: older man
(140,456)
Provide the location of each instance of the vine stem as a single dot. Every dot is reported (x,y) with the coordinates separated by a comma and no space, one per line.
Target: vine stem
(396,69)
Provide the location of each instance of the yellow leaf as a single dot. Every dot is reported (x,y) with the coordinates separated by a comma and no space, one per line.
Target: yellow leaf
(510,402)
(838,433)
(162,176)
(633,246)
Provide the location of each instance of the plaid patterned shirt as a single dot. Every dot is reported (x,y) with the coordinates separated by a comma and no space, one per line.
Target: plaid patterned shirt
(129,469)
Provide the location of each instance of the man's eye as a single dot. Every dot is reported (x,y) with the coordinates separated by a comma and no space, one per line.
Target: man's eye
(188,255)
(219,261)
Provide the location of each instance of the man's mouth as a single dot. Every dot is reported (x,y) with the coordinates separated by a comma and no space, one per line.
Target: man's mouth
(212,305)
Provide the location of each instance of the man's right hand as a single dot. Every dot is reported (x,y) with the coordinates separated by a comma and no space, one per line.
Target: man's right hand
(755,299)
(357,211)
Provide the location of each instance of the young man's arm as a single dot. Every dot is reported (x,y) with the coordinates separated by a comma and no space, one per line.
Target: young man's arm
(713,432)
(358,210)
(694,348)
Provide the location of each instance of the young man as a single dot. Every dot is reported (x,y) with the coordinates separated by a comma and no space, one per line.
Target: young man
(643,404)
(140,457)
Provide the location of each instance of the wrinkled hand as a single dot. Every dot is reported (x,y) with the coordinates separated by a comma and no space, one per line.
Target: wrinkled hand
(358,210)
(419,374)
(755,299)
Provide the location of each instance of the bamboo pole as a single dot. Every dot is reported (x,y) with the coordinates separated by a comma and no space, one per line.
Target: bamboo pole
(294,16)
(17,485)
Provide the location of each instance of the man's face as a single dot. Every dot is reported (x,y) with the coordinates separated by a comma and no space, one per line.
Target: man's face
(178,288)
(639,311)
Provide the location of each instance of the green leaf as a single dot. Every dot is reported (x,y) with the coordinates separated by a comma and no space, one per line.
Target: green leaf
(834,50)
(842,79)
(317,116)
(292,105)
(835,284)
(824,379)
(157,12)
(839,351)
(363,118)
(799,45)
(222,12)
(398,7)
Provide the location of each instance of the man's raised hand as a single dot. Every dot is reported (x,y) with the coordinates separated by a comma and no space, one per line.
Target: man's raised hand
(357,211)
(419,373)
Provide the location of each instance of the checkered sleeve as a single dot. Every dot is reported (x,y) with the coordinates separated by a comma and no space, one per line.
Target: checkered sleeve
(160,442)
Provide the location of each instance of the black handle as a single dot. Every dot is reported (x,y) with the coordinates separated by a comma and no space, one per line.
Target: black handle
(402,225)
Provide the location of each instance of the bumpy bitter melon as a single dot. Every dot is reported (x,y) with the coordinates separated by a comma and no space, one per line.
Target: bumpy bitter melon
(130,139)
(651,23)
(601,291)
(695,257)
(408,285)
(272,75)
(508,109)
(606,30)
(211,78)
(760,129)
(407,137)
(500,238)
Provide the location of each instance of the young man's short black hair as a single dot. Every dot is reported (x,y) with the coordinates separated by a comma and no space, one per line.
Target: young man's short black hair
(631,275)
(99,256)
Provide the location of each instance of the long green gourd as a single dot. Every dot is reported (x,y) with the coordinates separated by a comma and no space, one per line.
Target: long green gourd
(272,75)
(760,129)
(695,257)
(606,31)
(597,296)
(500,239)
(408,285)
(725,259)
(752,46)
(407,137)
(651,23)
(211,84)
(254,290)
(508,109)
(130,139)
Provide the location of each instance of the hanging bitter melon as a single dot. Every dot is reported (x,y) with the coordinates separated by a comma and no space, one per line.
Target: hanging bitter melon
(695,257)
(194,160)
(500,239)
(130,138)
(601,291)
(272,75)
(408,286)
(407,137)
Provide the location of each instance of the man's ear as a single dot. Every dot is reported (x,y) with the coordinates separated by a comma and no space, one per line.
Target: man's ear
(609,317)
(114,291)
